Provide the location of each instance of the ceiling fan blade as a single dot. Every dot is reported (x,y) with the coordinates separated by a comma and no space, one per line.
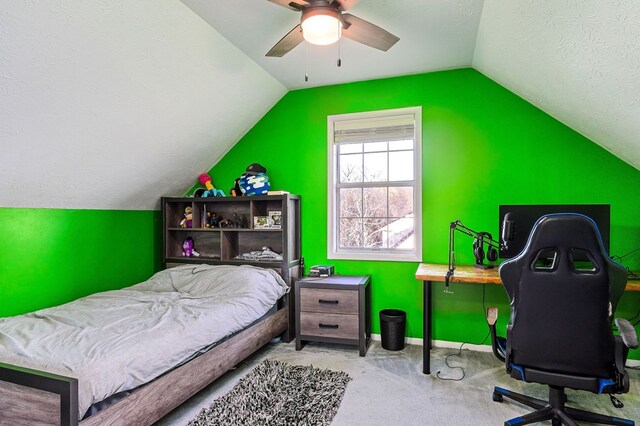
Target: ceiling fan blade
(288,4)
(287,43)
(367,33)
(344,4)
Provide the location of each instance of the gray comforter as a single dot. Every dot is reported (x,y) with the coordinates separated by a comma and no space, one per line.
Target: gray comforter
(118,340)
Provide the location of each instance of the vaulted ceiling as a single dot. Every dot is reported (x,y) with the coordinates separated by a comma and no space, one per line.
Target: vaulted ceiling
(577,60)
(110,105)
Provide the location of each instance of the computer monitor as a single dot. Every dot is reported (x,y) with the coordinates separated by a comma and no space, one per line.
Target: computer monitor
(523,218)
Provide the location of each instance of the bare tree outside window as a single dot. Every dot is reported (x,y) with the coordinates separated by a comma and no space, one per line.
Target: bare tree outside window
(374,174)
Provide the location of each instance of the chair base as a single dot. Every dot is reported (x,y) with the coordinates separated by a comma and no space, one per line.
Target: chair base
(554,410)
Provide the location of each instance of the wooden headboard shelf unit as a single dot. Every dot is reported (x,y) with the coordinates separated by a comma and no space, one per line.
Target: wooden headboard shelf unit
(38,397)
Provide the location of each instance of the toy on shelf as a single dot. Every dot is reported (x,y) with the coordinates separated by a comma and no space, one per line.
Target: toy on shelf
(212,220)
(253,182)
(236,191)
(187,222)
(205,180)
(187,248)
(238,221)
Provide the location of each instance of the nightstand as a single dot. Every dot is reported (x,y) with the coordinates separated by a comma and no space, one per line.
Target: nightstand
(335,309)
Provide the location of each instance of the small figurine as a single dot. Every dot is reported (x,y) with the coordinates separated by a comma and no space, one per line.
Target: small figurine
(187,248)
(236,191)
(225,223)
(238,222)
(212,220)
(205,180)
(187,222)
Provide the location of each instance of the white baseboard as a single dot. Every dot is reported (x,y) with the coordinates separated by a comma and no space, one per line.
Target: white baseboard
(471,347)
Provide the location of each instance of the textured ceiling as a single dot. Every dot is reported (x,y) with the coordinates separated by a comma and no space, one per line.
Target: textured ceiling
(578,60)
(111,105)
(434,35)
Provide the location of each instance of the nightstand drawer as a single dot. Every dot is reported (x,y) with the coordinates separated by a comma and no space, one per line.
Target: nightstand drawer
(329,301)
(329,325)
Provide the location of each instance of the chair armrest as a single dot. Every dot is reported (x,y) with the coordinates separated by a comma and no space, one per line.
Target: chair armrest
(627,333)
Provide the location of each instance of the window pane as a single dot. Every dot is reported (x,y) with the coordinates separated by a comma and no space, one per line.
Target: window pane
(401,234)
(350,202)
(350,148)
(375,146)
(397,145)
(401,201)
(375,167)
(375,202)
(350,233)
(351,168)
(401,165)
(375,233)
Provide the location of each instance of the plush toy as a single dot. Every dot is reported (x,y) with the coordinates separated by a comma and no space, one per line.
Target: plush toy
(256,184)
(205,180)
(254,181)
(187,222)
(187,248)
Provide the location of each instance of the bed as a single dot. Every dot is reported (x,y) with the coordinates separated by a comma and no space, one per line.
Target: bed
(152,345)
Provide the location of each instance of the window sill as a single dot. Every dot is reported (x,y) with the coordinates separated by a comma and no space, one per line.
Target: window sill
(384,257)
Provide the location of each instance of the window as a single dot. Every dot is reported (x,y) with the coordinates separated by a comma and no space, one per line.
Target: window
(375,185)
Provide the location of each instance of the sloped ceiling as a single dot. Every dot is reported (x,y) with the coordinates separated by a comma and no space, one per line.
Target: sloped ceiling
(111,104)
(434,35)
(579,61)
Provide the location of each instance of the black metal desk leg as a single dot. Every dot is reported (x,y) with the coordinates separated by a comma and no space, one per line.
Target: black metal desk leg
(426,327)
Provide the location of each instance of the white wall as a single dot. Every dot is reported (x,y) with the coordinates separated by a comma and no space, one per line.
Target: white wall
(579,61)
(111,104)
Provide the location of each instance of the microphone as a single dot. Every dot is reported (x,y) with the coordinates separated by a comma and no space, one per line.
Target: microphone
(508,230)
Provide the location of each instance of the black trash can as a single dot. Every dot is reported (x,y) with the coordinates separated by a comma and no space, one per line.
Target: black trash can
(393,323)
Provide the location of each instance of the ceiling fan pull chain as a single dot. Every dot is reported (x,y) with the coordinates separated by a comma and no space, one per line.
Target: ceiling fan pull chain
(339,44)
(306,76)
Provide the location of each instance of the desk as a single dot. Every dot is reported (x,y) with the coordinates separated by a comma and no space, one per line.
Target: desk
(428,272)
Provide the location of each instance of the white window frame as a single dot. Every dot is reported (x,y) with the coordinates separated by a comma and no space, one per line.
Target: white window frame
(333,252)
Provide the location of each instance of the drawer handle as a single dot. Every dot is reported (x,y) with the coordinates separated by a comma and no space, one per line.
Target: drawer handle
(328,302)
(321,325)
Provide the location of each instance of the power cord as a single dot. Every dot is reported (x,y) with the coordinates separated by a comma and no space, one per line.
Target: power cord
(452,367)
(446,358)
(619,258)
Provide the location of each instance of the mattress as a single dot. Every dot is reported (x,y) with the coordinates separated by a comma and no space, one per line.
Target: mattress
(118,340)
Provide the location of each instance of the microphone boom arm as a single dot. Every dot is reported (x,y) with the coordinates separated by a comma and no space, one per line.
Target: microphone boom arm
(483,237)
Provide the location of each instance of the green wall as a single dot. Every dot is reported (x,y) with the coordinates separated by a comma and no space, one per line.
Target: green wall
(52,256)
(482,146)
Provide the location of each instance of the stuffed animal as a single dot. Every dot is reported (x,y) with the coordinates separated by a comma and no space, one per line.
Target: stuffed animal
(254,181)
(254,184)
(187,222)
(187,248)
(205,180)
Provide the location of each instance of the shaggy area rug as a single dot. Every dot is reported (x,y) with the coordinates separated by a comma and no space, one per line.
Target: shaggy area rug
(276,393)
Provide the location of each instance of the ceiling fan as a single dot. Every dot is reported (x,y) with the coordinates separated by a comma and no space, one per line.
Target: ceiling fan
(323,22)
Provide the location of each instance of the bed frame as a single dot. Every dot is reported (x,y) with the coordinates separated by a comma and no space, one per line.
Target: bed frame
(31,397)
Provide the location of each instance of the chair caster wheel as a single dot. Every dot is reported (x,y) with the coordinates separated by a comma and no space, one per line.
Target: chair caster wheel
(497,397)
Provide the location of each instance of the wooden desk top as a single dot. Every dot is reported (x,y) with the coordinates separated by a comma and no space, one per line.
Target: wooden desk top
(469,274)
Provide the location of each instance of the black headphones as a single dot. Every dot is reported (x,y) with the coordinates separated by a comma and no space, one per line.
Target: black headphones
(478,248)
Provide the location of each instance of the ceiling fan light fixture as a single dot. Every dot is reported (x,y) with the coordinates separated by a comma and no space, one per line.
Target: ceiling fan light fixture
(321,28)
